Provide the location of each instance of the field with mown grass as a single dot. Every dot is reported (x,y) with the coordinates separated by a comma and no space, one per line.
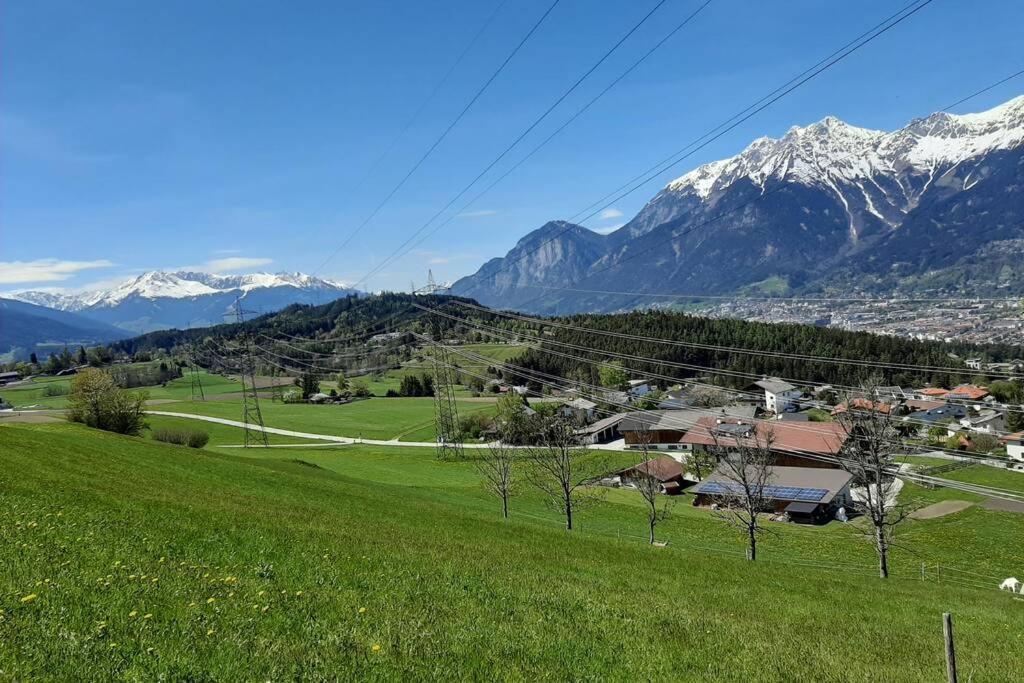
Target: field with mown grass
(408,419)
(51,392)
(125,558)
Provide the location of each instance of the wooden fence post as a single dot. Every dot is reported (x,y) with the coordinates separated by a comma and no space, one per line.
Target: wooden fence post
(947,634)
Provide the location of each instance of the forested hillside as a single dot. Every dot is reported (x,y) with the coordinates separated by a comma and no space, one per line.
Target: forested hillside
(768,341)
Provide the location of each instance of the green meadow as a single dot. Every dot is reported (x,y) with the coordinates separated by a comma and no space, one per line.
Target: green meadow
(407,419)
(129,559)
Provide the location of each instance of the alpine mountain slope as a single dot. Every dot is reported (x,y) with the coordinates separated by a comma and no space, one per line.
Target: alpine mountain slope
(935,206)
(162,300)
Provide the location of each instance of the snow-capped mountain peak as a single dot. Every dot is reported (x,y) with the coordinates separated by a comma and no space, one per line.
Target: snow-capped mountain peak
(832,149)
(158,284)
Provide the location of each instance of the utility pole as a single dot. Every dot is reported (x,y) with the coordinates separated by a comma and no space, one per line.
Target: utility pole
(251,414)
(947,634)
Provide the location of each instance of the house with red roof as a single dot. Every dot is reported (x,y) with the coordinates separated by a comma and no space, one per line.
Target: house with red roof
(794,444)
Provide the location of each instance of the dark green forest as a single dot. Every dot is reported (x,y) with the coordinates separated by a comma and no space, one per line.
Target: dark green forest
(805,340)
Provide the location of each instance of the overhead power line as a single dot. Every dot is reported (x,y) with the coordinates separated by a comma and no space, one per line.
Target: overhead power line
(715,133)
(407,244)
(440,138)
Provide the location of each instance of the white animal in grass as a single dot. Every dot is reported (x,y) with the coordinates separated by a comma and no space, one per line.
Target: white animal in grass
(1011,584)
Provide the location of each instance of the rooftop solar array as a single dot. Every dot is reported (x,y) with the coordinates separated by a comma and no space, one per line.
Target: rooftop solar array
(810,495)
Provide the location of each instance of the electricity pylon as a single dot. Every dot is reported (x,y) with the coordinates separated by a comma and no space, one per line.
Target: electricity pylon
(251,414)
(449,437)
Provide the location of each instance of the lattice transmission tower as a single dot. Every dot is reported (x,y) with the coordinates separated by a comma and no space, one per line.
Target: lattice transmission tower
(449,436)
(252,416)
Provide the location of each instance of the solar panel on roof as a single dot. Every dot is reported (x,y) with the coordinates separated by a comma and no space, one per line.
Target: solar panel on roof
(805,494)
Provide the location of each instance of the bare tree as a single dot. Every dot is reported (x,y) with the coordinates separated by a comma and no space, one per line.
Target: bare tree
(496,465)
(745,465)
(869,455)
(647,484)
(562,470)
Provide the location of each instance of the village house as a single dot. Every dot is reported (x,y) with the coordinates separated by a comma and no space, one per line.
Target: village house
(638,388)
(779,396)
(967,392)
(665,470)
(6,377)
(931,393)
(794,444)
(945,413)
(808,495)
(1014,446)
(579,409)
(863,405)
(674,399)
(603,431)
(987,421)
(665,429)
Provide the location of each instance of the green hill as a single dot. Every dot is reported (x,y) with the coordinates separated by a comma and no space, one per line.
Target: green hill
(149,560)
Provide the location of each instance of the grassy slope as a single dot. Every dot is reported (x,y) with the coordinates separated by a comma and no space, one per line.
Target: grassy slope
(179,389)
(376,418)
(449,591)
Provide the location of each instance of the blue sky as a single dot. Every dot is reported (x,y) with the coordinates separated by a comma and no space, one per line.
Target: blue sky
(232,136)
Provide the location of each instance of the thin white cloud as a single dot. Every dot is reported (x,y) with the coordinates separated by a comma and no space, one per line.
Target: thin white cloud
(228,264)
(439,261)
(608,229)
(608,214)
(45,270)
(478,214)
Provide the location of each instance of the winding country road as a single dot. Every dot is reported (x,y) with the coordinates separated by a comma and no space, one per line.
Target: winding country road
(333,440)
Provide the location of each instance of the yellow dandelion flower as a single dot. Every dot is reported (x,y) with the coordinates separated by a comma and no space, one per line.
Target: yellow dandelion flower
(362,610)
(376,647)
(154,580)
(131,576)
(262,593)
(133,613)
(192,604)
(210,601)
(147,615)
(29,598)
(298,594)
(231,594)
(210,632)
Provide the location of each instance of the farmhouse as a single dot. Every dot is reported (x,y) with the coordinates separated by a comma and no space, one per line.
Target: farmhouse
(579,409)
(1014,446)
(967,392)
(805,494)
(6,377)
(794,444)
(639,387)
(602,431)
(863,405)
(665,429)
(779,395)
(987,421)
(665,470)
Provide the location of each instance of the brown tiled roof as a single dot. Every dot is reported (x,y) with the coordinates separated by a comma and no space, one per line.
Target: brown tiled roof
(933,391)
(863,404)
(968,391)
(823,438)
(662,469)
(1018,436)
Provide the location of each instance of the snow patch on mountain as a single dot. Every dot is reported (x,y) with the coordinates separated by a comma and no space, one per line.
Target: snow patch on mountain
(832,150)
(177,285)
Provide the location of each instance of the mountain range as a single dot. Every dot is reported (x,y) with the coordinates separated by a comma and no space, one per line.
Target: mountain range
(26,328)
(935,207)
(160,300)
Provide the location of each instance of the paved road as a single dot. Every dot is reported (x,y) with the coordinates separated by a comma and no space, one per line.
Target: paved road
(343,440)
(306,435)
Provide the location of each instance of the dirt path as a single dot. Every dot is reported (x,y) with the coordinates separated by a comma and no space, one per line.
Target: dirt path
(941,509)
(1004,505)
